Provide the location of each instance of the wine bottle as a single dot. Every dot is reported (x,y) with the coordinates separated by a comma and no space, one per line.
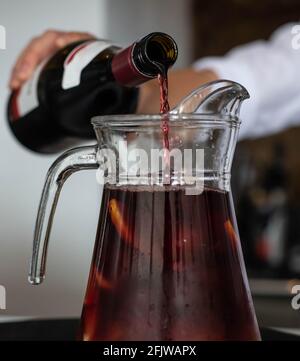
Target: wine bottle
(54,107)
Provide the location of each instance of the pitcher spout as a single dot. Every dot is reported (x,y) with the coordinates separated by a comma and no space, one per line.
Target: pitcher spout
(220,97)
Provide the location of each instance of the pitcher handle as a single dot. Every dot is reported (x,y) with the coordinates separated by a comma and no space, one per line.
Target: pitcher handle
(68,163)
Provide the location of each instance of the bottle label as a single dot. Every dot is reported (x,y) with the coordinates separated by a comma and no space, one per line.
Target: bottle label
(26,98)
(78,59)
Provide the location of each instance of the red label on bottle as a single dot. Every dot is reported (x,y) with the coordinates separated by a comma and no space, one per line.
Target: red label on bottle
(124,70)
(78,59)
(74,52)
(15,113)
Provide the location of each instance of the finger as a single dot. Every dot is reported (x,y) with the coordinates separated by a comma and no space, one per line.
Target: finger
(37,50)
(70,37)
(42,44)
(23,69)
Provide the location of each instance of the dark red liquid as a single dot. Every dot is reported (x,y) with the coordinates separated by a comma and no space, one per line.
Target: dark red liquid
(167,266)
(164,109)
(164,92)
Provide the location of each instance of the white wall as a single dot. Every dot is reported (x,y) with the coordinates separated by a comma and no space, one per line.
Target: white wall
(22,172)
(130,19)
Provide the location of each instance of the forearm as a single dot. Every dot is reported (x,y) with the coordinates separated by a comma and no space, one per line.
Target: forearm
(270,72)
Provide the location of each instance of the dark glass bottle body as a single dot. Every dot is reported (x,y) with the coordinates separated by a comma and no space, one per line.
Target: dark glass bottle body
(62,116)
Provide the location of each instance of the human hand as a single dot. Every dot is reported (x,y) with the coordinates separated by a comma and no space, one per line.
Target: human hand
(38,49)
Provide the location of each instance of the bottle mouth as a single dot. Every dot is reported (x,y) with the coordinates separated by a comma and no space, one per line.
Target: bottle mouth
(156,52)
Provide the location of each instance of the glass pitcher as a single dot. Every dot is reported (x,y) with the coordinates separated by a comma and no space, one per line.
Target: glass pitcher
(167,262)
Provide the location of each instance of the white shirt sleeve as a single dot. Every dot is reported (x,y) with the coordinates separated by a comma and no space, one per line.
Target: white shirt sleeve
(270,71)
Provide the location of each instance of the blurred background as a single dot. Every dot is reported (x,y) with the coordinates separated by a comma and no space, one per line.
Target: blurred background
(266,171)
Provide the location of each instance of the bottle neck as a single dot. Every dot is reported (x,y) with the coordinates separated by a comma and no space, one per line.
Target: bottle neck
(144,60)
(124,69)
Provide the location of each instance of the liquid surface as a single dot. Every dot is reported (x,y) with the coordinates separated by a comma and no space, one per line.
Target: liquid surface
(167,266)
